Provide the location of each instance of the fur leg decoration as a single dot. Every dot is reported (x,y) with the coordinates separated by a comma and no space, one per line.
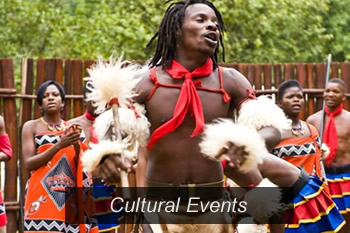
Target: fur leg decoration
(263,203)
(217,135)
(262,112)
(245,226)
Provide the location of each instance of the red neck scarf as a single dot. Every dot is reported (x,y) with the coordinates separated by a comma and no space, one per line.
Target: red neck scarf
(330,136)
(92,118)
(89,116)
(188,101)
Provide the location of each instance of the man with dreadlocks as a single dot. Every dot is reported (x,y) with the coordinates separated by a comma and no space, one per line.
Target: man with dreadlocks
(184,90)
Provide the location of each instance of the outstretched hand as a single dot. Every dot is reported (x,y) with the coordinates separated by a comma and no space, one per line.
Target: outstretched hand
(235,156)
(110,167)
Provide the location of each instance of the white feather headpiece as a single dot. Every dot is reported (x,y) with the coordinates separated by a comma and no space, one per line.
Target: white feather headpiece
(111,79)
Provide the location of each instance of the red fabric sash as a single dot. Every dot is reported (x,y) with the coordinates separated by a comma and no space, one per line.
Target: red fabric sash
(188,101)
(330,136)
(92,118)
(5,145)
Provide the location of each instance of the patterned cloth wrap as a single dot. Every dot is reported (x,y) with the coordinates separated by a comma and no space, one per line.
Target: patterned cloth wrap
(301,152)
(313,210)
(51,204)
(338,179)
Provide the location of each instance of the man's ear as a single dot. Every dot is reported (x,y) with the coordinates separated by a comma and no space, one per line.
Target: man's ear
(279,103)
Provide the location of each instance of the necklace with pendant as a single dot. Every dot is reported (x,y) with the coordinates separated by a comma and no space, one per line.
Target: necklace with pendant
(52,127)
(298,130)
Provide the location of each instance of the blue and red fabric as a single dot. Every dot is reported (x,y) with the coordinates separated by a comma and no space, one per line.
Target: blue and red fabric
(314,210)
(339,187)
(106,218)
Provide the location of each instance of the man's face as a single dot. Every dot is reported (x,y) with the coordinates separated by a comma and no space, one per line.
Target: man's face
(333,95)
(292,101)
(200,30)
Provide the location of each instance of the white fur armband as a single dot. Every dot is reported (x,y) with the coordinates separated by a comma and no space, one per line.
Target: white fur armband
(93,156)
(262,112)
(217,135)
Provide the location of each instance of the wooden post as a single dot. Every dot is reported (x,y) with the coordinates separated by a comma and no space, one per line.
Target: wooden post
(10,113)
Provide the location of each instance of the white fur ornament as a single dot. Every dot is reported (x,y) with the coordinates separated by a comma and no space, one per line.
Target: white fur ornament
(134,128)
(263,112)
(263,203)
(245,226)
(217,135)
(92,157)
(111,79)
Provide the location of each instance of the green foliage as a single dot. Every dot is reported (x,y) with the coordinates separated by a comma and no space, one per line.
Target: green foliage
(337,23)
(257,30)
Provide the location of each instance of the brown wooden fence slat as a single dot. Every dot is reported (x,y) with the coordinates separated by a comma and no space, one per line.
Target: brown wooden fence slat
(59,71)
(334,70)
(10,111)
(277,71)
(301,78)
(40,78)
(309,75)
(321,69)
(50,68)
(267,76)
(301,74)
(68,69)
(345,71)
(250,73)
(257,77)
(77,84)
(288,71)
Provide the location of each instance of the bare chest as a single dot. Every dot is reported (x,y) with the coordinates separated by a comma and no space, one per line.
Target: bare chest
(161,107)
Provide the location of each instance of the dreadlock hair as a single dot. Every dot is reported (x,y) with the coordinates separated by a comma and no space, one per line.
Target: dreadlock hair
(340,82)
(171,24)
(285,85)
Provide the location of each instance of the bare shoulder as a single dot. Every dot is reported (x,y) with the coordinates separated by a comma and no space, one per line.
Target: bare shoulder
(76,120)
(143,87)
(347,117)
(236,84)
(314,118)
(30,126)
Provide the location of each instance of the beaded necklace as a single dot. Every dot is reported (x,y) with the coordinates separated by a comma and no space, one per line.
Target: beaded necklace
(52,127)
(298,130)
